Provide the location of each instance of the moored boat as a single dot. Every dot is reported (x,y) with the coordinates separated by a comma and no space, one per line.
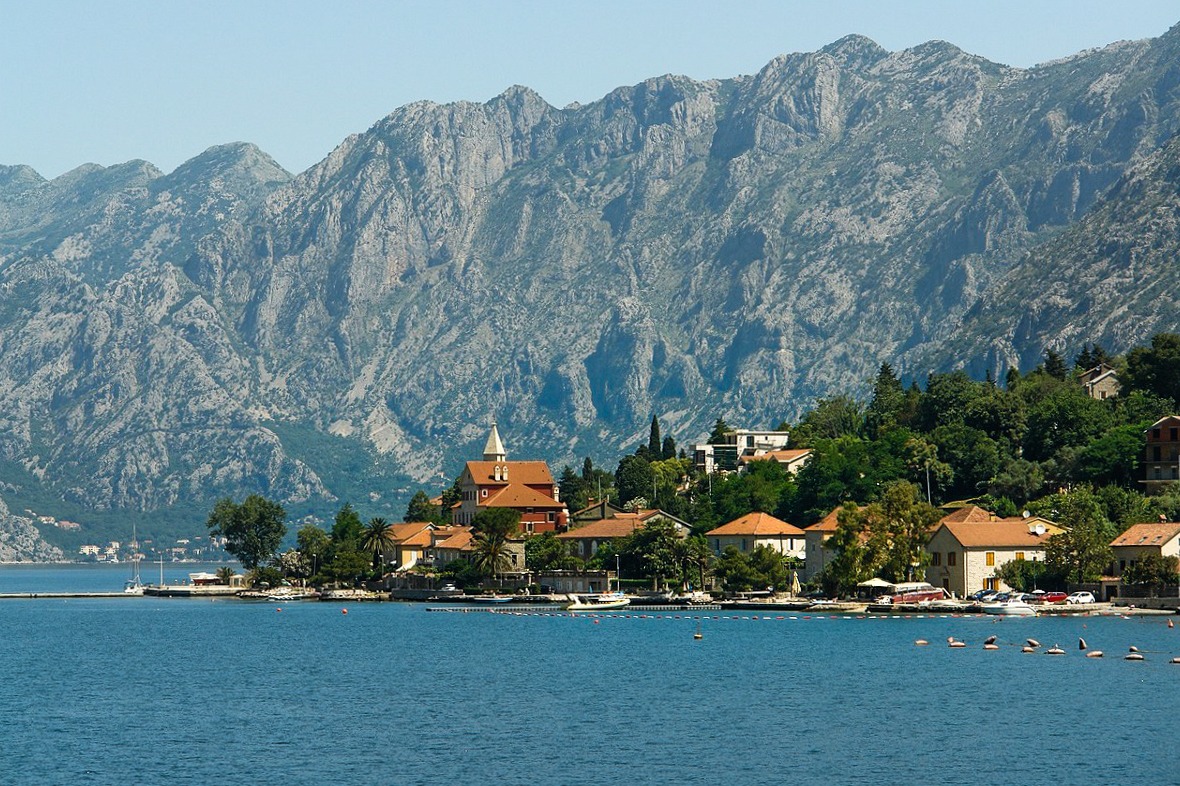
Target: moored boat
(1009,608)
(598,602)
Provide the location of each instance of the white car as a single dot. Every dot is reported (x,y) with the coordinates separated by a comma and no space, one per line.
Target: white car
(1080,597)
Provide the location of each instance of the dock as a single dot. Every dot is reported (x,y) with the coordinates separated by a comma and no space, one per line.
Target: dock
(63,595)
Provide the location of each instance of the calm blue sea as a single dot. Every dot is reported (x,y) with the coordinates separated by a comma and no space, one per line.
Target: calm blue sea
(172,691)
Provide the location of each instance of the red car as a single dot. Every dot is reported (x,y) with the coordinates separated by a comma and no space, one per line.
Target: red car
(1051,597)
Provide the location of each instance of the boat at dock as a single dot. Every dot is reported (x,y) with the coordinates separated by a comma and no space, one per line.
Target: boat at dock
(1009,608)
(603,601)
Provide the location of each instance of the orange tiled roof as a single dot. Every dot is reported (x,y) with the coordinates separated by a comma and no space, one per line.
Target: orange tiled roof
(995,534)
(460,541)
(529,473)
(618,527)
(408,529)
(755,525)
(1154,534)
(519,496)
(422,539)
(828,523)
(968,513)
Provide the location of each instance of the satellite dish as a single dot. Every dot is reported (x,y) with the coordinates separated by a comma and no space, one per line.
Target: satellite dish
(1026,514)
(1039,529)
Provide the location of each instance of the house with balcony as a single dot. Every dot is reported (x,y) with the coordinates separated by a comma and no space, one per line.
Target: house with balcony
(726,455)
(1161,453)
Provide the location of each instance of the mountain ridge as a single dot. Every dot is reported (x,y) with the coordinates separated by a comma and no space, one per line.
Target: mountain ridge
(733,247)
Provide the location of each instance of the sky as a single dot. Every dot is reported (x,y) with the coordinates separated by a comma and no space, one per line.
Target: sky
(108,81)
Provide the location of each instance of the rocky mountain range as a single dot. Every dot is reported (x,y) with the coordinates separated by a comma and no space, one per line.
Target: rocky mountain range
(736,247)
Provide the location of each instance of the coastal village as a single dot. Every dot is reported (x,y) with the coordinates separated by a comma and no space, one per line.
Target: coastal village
(506,532)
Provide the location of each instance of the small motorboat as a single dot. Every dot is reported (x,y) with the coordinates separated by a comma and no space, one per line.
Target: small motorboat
(603,601)
(1009,608)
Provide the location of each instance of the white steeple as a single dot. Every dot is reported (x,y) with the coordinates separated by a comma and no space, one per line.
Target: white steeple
(493,449)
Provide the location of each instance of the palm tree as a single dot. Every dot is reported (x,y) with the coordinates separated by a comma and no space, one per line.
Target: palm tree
(491,553)
(225,573)
(376,538)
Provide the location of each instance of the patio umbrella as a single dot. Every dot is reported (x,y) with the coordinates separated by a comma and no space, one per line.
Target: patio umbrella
(795,588)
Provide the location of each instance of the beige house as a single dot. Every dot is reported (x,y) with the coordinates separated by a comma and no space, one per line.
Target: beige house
(966,555)
(1141,540)
(1101,382)
(758,529)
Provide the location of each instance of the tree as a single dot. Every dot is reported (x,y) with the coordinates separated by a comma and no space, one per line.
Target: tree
(252,530)
(1155,370)
(854,558)
(668,451)
(225,573)
(546,552)
(573,488)
(1025,575)
(634,478)
(1152,572)
(832,417)
(1082,552)
(376,538)
(503,522)
(900,524)
(422,509)
(654,443)
(885,407)
(347,527)
(491,552)
(1055,365)
(720,429)
(312,543)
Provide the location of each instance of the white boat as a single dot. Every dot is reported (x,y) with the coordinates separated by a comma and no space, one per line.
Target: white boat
(602,601)
(1009,608)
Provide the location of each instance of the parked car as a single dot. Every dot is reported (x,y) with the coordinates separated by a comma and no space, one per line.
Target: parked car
(1053,597)
(984,595)
(1080,597)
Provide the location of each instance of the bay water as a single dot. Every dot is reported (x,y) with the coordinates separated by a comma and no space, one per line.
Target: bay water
(175,691)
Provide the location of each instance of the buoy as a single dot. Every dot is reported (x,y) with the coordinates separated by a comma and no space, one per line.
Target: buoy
(1170,625)
(343,611)
(1028,649)
(1133,656)
(1055,650)
(1033,643)
(1174,660)
(697,636)
(991,646)
(921,643)
(278,609)
(949,639)
(1133,648)
(958,644)
(990,640)
(1094,654)
(1081,643)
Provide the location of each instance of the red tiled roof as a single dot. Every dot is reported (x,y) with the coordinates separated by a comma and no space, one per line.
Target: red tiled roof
(968,513)
(1154,534)
(755,525)
(781,456)
(618,527)
(460,541)
(529,473)
(518,496)
(408,529)
(828,523)
(995,534)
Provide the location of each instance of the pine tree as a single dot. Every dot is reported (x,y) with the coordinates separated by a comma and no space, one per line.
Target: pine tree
(669,449)
(653,439)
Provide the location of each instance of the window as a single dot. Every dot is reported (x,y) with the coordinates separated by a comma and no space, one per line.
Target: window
(990,583)
(1172,434)
(989,559)
(936,558)
(1020,556)
(950,558)
(483,492)
(1155,433)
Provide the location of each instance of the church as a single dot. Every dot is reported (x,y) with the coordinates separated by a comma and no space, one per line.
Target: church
(525,486)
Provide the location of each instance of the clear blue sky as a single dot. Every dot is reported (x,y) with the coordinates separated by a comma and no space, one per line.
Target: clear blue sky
(107,81)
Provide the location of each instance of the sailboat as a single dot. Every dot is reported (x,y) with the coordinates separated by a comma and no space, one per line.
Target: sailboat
(134,586)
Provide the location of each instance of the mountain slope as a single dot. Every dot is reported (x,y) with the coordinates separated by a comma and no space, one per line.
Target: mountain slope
(733,247)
